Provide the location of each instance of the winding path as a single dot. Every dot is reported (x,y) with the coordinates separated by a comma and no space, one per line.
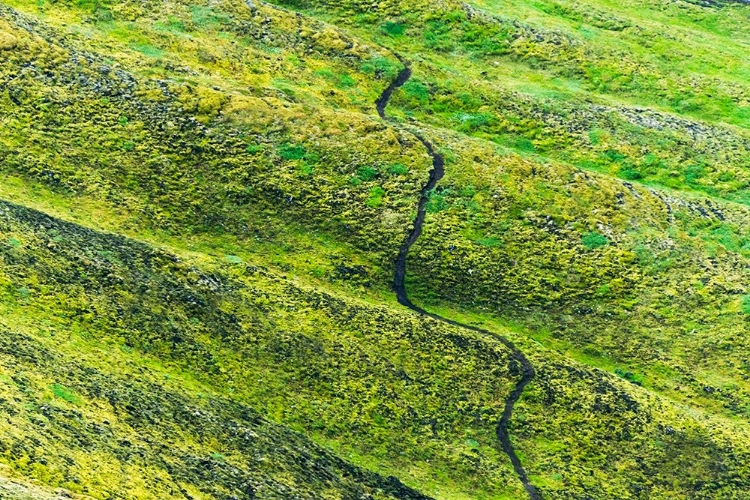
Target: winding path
(399,286)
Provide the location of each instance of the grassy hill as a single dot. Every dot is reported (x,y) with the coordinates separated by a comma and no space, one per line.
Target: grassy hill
(201,212)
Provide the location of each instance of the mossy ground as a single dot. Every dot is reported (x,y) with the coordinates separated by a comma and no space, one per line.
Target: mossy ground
(236,206)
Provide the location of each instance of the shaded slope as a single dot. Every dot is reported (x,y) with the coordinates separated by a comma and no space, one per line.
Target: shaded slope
(401,392)
(378,384)
(116,434)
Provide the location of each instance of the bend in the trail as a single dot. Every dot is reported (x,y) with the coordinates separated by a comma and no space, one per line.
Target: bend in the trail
(385,97)
(399,286)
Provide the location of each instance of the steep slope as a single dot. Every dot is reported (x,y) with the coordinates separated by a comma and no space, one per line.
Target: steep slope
(99,328)
(104,435)
(141,146)
(377,382)
(557,185)
(530,235)
(399,286)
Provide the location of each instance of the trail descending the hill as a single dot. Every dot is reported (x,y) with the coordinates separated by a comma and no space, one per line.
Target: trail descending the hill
(399,286)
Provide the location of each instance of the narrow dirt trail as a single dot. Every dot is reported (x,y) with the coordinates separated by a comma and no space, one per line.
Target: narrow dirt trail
(399,286)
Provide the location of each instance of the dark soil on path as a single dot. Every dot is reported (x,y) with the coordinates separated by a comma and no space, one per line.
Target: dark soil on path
(399,286)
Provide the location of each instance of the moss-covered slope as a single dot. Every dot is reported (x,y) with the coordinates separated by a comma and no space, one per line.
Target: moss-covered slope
(227,329)
(108,341)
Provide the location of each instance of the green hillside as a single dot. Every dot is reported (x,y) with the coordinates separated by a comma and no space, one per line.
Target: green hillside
(311,249)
